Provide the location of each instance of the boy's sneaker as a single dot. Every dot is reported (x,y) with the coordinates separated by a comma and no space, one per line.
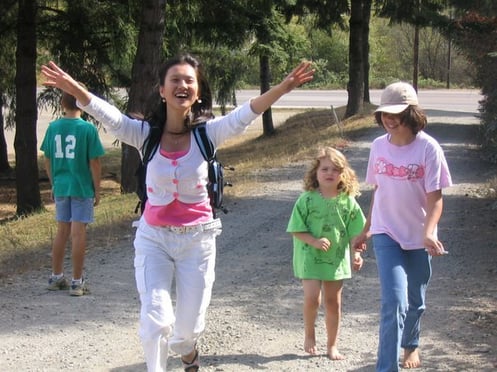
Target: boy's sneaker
(55,284)
(78,289)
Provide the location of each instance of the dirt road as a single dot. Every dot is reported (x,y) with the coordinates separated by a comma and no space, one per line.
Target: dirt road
(255,319)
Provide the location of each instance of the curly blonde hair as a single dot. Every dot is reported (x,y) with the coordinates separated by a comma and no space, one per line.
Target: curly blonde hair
(348,184)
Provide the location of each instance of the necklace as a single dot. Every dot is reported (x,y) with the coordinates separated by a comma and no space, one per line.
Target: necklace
(177,133)
(176,137)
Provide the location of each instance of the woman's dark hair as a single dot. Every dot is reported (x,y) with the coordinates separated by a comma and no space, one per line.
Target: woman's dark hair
(156,109)
(412,117)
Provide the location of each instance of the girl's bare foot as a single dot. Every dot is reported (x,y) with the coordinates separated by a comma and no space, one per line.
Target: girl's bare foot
(411,359)
(310,345)
(334,354)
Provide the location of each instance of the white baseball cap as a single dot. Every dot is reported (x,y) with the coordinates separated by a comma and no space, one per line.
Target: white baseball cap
(397,97)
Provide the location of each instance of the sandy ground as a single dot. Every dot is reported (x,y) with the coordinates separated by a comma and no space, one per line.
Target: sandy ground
(255,318)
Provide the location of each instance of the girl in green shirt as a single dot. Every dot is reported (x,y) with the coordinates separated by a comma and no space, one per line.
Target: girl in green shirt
(325,218)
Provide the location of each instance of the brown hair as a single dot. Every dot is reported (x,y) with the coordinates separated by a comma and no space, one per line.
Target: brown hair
(68,102)
(348,184)
(412,117)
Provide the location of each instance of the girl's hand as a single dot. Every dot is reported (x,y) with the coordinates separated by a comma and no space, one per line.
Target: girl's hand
(357,263)
(322,244)
(433,246)
(358,243)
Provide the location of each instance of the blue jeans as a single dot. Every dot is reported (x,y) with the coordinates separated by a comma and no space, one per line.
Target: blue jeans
(404,277)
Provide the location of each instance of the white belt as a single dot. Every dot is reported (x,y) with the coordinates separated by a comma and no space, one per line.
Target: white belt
(214,224)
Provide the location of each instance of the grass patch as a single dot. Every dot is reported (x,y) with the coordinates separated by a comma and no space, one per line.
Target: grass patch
(25,242)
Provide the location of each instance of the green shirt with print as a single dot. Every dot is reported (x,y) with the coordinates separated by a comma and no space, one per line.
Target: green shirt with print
(338,219)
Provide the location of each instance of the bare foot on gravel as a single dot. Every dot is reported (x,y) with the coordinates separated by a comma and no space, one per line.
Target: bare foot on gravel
(310,345)
(411,359)
(334,354)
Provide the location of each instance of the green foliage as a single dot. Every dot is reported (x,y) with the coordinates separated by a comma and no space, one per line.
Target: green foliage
(477,35)
(416,12)
(330,55)
(224,66)
(96,42)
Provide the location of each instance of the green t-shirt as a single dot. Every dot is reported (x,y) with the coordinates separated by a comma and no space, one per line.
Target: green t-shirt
(338,219)
(70,144)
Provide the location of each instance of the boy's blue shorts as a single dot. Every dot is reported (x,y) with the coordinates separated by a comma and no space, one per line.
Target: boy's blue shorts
(70,209)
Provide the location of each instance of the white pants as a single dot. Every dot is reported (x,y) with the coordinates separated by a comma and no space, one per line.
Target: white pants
(160,256)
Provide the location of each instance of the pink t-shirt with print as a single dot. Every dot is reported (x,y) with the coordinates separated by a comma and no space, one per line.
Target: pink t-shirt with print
(403,176)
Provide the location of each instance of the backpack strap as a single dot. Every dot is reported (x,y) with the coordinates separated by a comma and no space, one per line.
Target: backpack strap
(149,151)
(204,142)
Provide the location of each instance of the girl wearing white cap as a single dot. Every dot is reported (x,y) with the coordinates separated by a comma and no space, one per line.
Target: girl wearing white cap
(408,170)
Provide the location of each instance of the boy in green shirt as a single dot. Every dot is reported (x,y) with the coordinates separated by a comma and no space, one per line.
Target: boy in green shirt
(72,151)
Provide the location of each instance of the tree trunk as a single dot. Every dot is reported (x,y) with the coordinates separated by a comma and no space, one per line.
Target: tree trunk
(415,67)
(4,154)
(265,76)
(27,187)
(144,75)
(355,86)
(366,18)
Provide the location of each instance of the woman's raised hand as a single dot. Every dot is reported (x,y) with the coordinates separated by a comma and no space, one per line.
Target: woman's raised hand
(301,74)
(58,78)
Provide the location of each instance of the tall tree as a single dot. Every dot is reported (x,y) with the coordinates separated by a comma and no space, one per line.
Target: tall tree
(28,191)
(355,86)
(7,70)
(419,13)
(258,22)
(265,30)
(328,13)
(366,19)
(143,76)
(96,42)
(475,31)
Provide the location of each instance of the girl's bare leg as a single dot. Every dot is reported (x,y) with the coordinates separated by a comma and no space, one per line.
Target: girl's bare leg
(411,359)
(333,306)
(312,299)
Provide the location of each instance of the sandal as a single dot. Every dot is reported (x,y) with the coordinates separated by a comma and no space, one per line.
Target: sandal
(192,366)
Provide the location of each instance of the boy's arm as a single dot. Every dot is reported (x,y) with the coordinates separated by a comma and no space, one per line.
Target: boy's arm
(321,244)
(96,173)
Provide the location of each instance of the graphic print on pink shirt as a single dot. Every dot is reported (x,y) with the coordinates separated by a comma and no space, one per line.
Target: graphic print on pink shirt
(411,172)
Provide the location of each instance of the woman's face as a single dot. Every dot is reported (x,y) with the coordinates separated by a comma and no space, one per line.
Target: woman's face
(180,87)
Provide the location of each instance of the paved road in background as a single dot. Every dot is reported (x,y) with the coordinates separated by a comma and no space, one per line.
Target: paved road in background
(464,101)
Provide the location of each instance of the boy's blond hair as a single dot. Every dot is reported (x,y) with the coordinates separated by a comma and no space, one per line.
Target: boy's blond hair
(348,184)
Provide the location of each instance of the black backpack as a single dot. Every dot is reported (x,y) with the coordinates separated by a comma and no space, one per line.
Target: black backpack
(216,184)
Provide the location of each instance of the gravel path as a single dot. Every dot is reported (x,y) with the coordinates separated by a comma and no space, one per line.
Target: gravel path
(255,319)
